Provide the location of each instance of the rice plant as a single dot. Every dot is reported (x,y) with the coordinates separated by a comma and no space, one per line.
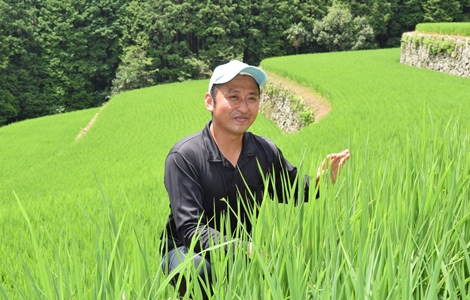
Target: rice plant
(82,220)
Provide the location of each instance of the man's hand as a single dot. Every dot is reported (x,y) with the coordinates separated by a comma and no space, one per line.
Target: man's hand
(335,162)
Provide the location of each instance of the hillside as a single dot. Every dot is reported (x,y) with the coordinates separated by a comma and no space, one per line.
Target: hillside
(408,132)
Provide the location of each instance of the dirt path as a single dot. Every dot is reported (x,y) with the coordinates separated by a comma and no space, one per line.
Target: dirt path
(319,105)
(88,126)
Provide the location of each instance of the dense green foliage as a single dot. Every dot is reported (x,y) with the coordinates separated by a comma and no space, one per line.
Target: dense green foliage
(445,28)
(396,225)
(59,56)
(338,31)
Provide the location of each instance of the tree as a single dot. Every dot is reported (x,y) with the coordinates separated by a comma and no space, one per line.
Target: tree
(56,56)
(296,34)
(132,73)
(338,31)
(441,10)
(465,15)
(21,72)
(9,105)
(266,24)
(377,12)
(163,31)
(80,42)
(221,27)
(405,15)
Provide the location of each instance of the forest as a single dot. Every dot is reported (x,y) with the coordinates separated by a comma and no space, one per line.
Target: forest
(58,56)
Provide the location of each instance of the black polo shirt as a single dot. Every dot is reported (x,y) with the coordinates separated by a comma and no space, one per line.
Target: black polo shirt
(201,183)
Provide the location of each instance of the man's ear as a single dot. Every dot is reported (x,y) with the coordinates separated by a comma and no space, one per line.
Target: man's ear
(209,102)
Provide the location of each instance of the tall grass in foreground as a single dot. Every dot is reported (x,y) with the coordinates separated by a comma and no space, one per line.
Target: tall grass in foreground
(399,230)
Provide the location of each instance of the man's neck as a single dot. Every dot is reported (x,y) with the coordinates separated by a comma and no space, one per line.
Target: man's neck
(229,145)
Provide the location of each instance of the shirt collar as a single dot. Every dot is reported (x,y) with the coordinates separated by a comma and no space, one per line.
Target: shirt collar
(213,151)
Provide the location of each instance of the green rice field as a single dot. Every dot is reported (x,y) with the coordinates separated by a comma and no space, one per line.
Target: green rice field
(81,219)
(451,28)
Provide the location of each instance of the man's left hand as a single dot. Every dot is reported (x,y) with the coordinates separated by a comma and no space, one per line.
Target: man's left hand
(335,162)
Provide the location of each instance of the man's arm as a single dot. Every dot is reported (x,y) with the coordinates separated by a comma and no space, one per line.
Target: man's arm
(186,201)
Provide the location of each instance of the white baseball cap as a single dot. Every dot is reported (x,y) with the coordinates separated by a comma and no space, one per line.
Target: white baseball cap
(226,72)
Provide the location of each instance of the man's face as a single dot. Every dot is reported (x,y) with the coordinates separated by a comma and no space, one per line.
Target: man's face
(236,105)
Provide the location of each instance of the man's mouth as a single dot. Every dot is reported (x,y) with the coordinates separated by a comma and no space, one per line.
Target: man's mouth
(240,119)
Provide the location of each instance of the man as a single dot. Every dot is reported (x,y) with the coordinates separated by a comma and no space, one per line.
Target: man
(224,161)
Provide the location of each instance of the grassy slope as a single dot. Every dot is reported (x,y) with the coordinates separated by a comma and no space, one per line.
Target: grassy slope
(125,149)
(380,104)
(54,176)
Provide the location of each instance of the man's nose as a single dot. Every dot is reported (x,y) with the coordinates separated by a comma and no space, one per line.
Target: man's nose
(243,107)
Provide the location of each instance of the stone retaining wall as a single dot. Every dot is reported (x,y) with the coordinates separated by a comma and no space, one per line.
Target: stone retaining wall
(284,108)
(448,54)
